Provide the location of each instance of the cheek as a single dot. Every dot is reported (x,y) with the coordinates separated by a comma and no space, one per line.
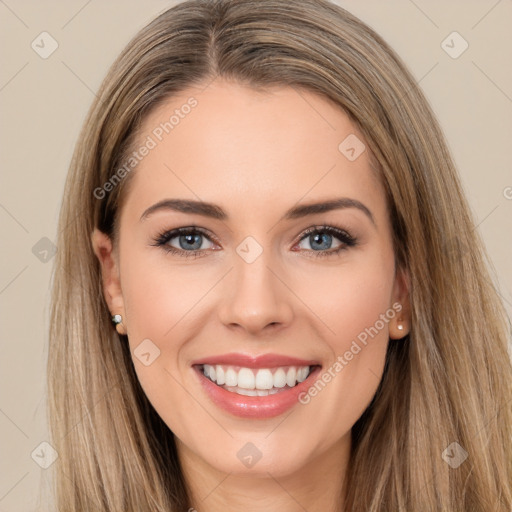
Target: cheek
(158,296)
(162,302)
(156,302)
(350,297)
(354,303)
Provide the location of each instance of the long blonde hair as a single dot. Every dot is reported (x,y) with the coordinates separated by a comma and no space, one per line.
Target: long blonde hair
(448,381)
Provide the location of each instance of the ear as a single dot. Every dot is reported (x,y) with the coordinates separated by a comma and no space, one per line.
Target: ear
(102,246)
(400,325)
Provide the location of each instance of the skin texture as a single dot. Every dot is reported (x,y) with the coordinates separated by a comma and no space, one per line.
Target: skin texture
(256,154)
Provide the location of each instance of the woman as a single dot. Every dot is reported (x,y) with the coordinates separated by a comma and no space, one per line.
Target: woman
(262,204)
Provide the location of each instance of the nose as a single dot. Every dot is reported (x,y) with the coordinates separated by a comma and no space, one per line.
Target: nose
(255,297)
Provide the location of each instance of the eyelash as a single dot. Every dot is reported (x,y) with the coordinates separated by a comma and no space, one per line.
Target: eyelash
(343,236)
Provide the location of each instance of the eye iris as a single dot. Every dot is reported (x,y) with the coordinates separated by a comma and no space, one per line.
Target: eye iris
(318,236)
(189,241)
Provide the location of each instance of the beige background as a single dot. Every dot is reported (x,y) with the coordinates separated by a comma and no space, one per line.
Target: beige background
(43,103)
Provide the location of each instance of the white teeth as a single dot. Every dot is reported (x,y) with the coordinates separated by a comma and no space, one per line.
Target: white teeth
(251,392)
(231,377)
(264,379)
(210,372)
(280,378)
(246,392)
(246,378)
(260,382)
(302,373)
(291,376)
(221,378)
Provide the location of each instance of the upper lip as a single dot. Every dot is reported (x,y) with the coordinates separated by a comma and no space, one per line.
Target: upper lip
(261,361)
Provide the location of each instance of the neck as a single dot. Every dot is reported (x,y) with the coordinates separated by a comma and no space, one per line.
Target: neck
(316,486)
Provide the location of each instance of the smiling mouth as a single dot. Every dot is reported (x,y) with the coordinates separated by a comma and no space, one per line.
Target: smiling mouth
(256,381)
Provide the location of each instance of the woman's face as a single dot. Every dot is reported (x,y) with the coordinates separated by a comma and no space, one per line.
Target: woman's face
(252,294)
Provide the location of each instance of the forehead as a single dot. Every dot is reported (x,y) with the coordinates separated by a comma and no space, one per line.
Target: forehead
(229,143)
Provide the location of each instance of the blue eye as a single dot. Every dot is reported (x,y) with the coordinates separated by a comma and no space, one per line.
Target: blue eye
(320,240)
(190,241)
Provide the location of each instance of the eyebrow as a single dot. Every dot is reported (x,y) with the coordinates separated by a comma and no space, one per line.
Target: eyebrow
(216,212)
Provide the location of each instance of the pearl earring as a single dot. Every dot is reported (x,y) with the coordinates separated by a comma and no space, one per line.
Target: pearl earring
(117,320)
(400,327)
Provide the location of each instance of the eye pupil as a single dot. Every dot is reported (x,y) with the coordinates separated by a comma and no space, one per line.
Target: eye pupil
(190,240)
(317,238)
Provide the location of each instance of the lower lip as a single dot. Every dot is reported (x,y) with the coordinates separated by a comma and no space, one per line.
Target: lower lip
(255,406)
